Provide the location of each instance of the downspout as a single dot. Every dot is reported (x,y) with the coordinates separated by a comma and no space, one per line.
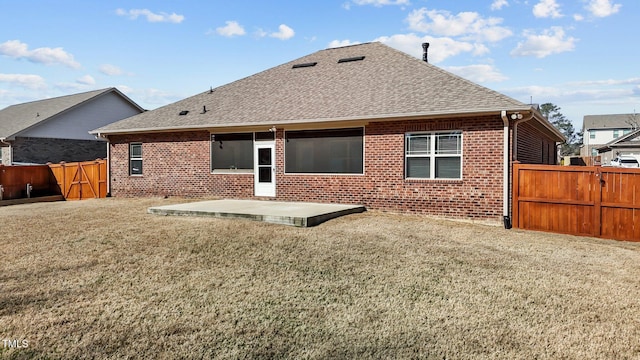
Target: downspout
(506,218)
(98,135)
(506,189)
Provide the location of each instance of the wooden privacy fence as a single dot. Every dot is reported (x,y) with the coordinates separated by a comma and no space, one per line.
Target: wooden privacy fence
(74,181)
(579,200)
(81,180)
(14,181)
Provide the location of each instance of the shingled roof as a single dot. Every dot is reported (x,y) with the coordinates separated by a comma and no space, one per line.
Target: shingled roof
(17,118)
(359,82)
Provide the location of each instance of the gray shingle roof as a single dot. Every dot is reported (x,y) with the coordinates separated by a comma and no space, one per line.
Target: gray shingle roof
(386,84)
(612,121)
(17,118)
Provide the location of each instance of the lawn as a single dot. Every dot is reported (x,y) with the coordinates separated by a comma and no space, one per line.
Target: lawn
(104,279)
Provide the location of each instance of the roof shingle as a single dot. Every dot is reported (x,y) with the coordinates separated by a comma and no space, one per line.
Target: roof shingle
(386,83)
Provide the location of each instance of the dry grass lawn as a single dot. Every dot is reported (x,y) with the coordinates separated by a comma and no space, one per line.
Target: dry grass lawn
(104,279)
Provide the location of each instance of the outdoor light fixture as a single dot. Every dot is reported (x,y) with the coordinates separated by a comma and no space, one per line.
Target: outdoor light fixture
(273,129)
(515,116)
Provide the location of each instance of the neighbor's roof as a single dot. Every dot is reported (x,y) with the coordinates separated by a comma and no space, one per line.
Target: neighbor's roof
(17,118)
(630,140)
(612,121)
(384,84)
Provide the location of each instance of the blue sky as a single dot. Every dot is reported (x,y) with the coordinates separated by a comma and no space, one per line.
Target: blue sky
(580,55)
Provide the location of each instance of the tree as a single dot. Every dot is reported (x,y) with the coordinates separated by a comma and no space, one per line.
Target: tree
(574,139)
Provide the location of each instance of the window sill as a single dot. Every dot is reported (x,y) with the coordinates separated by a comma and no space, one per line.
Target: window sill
(233,171)
(437,181)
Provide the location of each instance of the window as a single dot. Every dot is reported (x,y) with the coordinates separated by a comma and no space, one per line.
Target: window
(616,134)
(592,134)
(626,131)
(232,151)
(336,151)
(135,159)
(433,155)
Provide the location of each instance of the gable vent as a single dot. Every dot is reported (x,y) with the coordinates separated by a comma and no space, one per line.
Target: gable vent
(183,112)
(356,58)
(310,64)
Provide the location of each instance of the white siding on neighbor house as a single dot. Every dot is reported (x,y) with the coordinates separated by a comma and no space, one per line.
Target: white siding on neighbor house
(76,123)
(603,136)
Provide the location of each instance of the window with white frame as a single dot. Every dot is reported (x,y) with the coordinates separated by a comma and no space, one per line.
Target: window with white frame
(436,155)
(135,159)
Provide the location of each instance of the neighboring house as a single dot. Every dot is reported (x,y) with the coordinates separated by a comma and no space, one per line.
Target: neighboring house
(362,124)
(628,144)
(57,129)
(600,130)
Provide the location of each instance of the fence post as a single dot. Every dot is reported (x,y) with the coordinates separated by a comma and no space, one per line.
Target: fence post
(515,183)
(596,187)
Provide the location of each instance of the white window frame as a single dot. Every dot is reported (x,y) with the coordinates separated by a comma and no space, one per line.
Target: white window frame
(432,154)
(132,158)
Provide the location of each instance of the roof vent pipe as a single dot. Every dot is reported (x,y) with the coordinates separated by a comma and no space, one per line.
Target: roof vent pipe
(425,49)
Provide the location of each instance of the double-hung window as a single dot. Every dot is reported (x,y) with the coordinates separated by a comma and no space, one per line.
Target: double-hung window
(135,159)
(436,155)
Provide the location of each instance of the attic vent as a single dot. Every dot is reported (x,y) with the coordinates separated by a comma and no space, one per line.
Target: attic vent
(184,112)
(356,58)
(304,65)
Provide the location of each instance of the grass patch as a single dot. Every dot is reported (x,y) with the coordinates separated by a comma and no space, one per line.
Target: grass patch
(104,279)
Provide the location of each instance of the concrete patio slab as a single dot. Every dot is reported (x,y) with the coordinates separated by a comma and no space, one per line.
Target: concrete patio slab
(300,214)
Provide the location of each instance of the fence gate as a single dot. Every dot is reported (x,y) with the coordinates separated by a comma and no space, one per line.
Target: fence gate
(81,180)
(579,200)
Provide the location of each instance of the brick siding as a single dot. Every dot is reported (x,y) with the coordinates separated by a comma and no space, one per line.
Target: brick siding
(43,150)
(178,164)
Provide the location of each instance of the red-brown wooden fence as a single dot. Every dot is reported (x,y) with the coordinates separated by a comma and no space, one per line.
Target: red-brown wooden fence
(579,200)
(81,180)
(14,180)
(74,181)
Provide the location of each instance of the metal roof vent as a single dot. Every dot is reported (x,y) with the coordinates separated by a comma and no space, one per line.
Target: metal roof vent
(183,112)
(355,58)
(310,64)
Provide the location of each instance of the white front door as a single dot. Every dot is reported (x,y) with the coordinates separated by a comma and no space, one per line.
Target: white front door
(264,168)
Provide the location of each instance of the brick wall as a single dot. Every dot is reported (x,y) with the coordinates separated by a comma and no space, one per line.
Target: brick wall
(179,164)
(43,150)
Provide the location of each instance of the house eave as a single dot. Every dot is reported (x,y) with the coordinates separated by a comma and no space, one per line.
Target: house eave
(316,122)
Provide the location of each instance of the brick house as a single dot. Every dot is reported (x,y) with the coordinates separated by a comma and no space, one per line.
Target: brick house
(57,129)
(362,124)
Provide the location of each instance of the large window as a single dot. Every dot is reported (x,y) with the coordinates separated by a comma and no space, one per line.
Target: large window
(135,159)
(232,151)
(433,155)
(337,151)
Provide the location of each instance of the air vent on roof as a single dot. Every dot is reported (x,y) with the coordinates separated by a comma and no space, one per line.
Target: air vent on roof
(356,58)
(184,112)
(304,65)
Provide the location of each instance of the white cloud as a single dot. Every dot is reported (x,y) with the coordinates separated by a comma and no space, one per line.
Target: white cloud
(379,3)
(603,8)
(151,16)
(44,55)
(551,41)
(469,25)
(341,43)
(546,9)
(499,4)
(480,73)
(86,80)
(578,17)
(439,48)
(24,80)
(284,32)
(110,70)
(233,28)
